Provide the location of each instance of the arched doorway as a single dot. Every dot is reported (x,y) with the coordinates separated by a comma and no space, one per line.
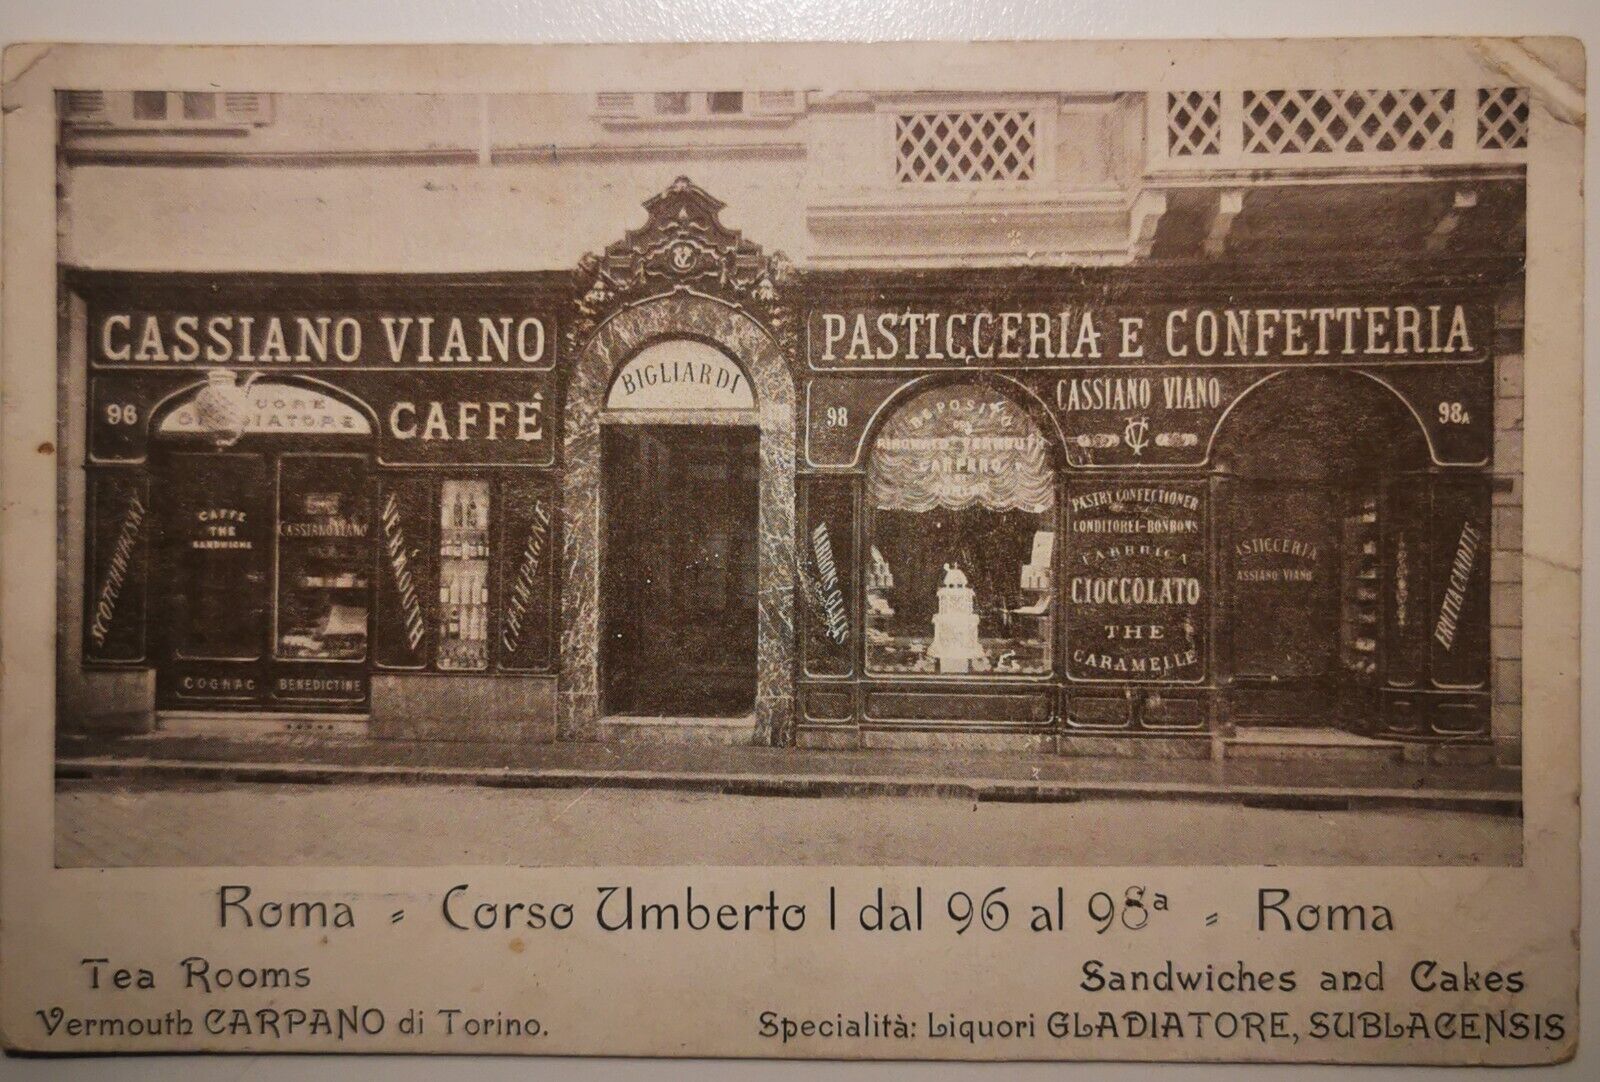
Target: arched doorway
(680,472)
(1324,489)
(713,430)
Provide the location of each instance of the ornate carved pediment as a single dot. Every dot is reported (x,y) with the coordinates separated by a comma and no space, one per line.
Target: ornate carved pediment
(684,245)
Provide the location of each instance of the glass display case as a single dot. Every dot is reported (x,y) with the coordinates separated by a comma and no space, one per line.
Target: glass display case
(959,593)
(961,530)
(324,560)
(463,613)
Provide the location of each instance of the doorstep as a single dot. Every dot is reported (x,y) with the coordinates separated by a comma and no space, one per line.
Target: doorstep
(1323,745)
(162,759)
(266,723)
(666,730)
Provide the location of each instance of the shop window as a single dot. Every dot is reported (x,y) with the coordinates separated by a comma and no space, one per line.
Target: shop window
(1360,605)
(961,536)
(463,615)
(324,559)
(722,102)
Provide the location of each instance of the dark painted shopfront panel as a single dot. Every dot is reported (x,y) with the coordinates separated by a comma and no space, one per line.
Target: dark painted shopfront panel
(1243,516)
(216,563)
(116,549)
(1137,591)
(301,484)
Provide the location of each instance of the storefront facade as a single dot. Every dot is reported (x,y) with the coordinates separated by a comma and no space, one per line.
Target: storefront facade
(1066,506)
(321,505)
(1149,514)
(686,490)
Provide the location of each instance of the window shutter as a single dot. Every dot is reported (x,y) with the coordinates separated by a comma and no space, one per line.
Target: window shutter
(247,108)
(778,102)
(86,107)
(615,103)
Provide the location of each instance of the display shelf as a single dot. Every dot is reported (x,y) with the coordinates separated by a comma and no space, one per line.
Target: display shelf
(1360,604)
(463,615)
(324,579)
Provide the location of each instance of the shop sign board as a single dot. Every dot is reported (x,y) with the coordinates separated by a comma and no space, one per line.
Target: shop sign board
(1135,583)
(124,336)
(1457,620)
(118,537)
(1143,387)
(402,633)
(680,374)
(826,560)
(469,382)
(528,558)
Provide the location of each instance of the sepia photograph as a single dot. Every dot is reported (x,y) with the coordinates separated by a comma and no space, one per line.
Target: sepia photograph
(724,475)
(965,551)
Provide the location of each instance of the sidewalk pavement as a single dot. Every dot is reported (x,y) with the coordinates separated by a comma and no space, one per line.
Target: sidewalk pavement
(160,758)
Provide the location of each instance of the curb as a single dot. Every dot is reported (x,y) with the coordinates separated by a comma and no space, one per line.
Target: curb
(977,790)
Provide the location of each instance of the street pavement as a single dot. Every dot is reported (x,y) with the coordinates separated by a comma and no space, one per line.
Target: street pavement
(116,823)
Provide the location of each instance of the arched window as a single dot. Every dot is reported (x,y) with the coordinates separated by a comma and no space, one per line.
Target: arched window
(961,527)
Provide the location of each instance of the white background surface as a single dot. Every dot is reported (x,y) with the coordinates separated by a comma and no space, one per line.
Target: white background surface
(300,21)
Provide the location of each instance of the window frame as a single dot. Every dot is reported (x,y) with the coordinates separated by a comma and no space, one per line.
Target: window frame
(1051,519)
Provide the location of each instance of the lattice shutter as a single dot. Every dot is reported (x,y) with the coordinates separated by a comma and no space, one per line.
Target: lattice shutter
(1347,121)
(1194,123)
(954,147)
(1503,118)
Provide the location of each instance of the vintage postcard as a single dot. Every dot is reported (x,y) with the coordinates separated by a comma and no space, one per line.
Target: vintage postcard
(1005,551)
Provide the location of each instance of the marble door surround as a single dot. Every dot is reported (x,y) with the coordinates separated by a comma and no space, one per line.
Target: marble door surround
(680,313)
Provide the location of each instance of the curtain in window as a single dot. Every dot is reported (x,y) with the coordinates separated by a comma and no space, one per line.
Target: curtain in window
(957,447)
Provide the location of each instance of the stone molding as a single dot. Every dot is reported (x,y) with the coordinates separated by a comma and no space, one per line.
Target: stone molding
(678,313)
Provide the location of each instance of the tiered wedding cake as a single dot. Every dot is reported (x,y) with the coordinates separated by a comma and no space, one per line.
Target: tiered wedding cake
(955,643)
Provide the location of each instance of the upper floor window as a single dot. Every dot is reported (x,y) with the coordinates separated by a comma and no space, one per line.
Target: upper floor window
(167,110)
(199,106)
(966,146)
(149,105)
(622,108)
(672,103)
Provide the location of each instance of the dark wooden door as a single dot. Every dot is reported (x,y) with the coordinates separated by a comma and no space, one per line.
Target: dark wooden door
(1281,574)
(215,559)
(679,570)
